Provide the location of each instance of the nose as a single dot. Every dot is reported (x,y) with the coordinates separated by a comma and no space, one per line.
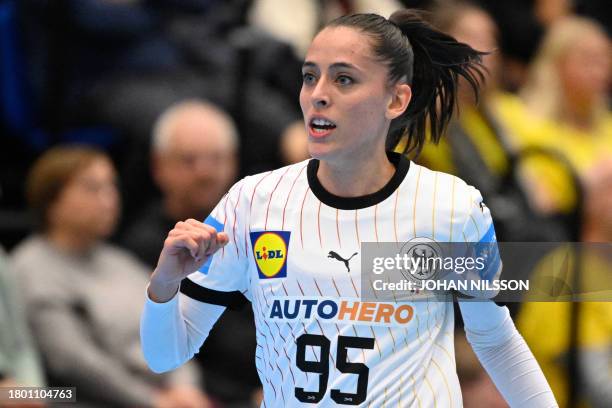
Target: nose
(320,95)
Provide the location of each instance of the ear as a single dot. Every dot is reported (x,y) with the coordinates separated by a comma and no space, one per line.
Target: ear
(401,96)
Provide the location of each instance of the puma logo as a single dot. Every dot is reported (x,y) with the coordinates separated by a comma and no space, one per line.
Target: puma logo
(334,255)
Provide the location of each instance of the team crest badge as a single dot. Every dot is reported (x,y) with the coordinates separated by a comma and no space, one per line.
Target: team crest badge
(270,253)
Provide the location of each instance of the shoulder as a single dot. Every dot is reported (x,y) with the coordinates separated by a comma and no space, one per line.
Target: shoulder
(40,271)
(268,180)
(118,257)
(460,202)
(32,251)
(445,186)
(264,185)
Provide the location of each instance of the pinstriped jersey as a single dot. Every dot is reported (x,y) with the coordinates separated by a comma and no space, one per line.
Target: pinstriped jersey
(294,253)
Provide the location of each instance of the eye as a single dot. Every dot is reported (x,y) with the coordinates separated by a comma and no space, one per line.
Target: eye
(344,80)
(308,78)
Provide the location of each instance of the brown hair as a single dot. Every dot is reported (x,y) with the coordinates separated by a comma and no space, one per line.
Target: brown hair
(51,173)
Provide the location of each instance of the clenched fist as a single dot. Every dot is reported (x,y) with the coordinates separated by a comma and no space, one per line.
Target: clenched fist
(188,246)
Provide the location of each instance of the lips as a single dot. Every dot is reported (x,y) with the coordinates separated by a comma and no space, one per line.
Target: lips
(320,126)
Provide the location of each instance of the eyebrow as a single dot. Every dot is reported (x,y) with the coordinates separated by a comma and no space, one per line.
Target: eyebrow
(335,65)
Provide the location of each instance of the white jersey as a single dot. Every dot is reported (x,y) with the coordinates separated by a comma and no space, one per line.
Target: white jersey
(294,253)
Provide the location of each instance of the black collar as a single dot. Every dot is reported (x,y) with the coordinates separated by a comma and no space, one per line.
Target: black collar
(401,163)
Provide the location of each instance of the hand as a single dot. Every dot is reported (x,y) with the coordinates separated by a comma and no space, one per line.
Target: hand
(188,246)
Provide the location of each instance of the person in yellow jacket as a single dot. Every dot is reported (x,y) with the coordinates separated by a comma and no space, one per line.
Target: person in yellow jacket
(562,110)
(476,122)
(573,341)
(482,144)
(567,91)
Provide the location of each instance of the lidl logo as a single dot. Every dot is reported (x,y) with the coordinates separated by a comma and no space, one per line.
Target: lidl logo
(270,253)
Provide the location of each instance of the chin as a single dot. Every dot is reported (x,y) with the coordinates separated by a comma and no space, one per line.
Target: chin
(320,151)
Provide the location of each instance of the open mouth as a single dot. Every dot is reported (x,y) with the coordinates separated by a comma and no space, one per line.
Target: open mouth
(321,126)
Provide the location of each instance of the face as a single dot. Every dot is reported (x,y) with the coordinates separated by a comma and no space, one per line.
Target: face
(585,68)
(198,165)
(89,204)
(478,30)
(346,98)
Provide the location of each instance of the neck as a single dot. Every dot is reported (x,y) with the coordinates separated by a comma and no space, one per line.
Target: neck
(69,241)
(357,176)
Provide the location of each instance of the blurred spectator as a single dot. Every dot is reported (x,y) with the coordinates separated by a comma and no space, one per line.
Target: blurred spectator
(572,341)
(82,294)
(476,125)
(568,88)
(520,33)
(194,162)
(523,23)
(19,360)
(570,77)
(479,145)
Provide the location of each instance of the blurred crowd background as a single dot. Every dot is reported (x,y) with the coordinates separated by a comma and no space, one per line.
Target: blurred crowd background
(120,117)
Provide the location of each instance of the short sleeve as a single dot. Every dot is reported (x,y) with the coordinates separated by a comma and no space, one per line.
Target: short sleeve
(479,233)
(223,280)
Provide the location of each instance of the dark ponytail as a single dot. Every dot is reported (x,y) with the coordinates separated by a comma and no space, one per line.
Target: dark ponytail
(430,61)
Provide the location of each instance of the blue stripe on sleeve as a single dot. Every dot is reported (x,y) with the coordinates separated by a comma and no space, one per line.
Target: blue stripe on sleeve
(493,266)
(487,248)
(212,221)
(489,236)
